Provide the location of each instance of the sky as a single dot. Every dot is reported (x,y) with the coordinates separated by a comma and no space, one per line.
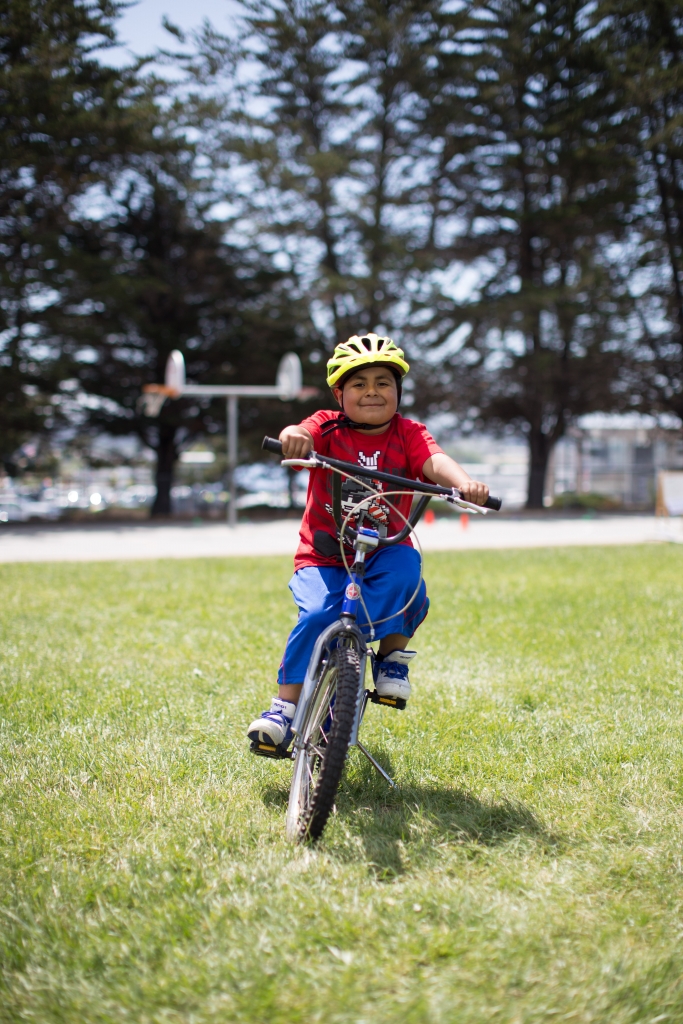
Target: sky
(140,28)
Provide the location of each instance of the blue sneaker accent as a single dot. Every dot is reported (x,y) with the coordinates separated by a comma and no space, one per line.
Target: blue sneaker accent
(391,674)
(390,670)
(274,726)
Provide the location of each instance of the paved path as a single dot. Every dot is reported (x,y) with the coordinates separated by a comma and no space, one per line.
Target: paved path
(114,542)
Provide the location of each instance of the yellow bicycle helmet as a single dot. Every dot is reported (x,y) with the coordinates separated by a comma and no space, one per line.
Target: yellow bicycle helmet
(365,350)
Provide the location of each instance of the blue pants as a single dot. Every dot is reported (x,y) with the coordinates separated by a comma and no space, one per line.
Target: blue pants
(391,578)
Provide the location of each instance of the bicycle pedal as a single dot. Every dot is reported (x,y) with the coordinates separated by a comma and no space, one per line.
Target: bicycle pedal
(280,752)
(390,702)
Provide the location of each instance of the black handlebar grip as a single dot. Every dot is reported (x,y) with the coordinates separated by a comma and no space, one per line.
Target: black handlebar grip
(271,445)
(493,503)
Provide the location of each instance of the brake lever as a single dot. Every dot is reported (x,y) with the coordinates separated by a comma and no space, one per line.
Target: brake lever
(301,463)
(455,499)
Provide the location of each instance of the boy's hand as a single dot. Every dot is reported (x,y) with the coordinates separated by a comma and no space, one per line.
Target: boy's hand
(442,469)
(296,442)
(474,491)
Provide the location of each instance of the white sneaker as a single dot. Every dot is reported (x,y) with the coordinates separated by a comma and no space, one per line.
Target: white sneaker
(391,674)
(273,727)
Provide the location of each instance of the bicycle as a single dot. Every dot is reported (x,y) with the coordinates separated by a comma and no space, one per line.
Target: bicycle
(333,696)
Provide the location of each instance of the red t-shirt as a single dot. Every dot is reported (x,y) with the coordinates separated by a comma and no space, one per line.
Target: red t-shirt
(403,449)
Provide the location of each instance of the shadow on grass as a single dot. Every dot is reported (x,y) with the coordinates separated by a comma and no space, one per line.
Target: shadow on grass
(275,796)
(391,828)
(415,822)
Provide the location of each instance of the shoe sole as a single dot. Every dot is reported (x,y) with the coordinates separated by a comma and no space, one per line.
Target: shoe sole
(260,736)
(394,691)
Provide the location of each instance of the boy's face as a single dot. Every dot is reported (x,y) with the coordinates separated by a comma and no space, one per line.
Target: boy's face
(369,396)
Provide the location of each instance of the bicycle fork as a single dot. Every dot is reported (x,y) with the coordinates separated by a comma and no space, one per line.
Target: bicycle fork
(366,540)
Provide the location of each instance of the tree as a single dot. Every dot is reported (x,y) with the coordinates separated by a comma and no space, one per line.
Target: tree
(65,119)
(643,48)
(328,133)
(157,275)
(532,173)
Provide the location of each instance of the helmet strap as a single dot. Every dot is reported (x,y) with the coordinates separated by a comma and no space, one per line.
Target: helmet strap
(344,421)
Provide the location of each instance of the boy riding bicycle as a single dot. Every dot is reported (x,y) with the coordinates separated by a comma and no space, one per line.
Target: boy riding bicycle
(365,375)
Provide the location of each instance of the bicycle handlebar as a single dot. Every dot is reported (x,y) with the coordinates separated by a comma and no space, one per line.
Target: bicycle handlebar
(270,444)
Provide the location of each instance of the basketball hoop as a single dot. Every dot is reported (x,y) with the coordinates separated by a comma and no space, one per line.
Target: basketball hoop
(288,387)
(153,397)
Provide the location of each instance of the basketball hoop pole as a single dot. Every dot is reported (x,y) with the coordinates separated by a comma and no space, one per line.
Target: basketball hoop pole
(288,387)
(232,419)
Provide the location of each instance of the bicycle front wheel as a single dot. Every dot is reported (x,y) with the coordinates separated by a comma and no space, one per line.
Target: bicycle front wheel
(323,746)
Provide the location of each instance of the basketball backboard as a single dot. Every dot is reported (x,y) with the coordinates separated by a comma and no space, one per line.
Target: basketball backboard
(175,372)
(289,376)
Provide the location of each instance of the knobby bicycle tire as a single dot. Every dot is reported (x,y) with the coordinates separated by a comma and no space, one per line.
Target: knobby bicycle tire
(312,794)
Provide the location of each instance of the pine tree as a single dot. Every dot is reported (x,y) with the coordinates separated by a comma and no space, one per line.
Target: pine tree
(156,275)
(643,47)
(331,130)
(540,193)
(65,119)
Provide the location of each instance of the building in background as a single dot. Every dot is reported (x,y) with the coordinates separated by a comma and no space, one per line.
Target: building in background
(502,463)
(613,458)
(616,457)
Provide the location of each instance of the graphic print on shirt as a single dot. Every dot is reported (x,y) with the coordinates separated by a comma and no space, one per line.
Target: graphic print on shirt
(369,461)
(375,513)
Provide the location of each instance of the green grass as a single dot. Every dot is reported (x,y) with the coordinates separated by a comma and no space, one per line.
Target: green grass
(529,869)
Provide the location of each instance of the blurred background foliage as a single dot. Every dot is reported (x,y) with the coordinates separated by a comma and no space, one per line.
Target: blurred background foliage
(497,185)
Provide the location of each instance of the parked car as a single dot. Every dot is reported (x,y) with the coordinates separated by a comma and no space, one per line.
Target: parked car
(11,510)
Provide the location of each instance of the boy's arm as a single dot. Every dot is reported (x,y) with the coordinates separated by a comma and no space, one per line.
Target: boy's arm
(297,442)
(441,469)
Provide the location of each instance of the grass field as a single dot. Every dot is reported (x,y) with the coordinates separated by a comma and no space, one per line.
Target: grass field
(529,869)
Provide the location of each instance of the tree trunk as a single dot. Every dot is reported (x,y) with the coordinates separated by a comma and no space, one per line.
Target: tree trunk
(540,447)
(167,453)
